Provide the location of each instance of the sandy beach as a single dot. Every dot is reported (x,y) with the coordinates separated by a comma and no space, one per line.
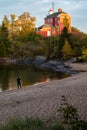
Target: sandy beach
(43,100)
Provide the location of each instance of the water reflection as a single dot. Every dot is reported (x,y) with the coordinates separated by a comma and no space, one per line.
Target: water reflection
(29,75)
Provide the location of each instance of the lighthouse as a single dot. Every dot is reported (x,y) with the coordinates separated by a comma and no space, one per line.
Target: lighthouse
(50,11)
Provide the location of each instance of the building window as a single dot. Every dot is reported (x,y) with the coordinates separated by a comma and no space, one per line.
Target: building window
(50,20)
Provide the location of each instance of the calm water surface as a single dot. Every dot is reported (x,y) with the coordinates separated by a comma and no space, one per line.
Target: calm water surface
(29,75)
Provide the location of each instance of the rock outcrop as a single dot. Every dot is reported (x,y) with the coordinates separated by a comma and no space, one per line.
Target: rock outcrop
(42,63)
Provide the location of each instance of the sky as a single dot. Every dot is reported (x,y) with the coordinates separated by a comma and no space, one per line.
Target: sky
(77,9)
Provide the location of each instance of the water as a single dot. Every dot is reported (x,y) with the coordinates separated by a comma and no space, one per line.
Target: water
(29,75)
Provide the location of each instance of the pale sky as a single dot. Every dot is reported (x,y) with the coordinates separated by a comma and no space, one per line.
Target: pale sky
(39,8)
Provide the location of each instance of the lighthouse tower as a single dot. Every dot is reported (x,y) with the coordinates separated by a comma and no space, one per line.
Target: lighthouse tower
(50,11)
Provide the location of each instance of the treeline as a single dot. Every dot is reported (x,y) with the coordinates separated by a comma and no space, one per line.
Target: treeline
(18,38)
(68,45)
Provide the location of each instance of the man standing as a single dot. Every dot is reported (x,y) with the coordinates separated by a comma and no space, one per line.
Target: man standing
(19,83)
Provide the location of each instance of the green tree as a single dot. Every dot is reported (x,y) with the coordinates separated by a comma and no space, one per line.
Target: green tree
(2,50)
(64,36)
(67,51)
(3,33)
(4,37)
(51,47)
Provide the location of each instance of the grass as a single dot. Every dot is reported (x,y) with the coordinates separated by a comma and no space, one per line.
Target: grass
(29,124)
(37,124)
(19,124)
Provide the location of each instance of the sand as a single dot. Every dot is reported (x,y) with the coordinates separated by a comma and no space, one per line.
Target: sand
(43,100)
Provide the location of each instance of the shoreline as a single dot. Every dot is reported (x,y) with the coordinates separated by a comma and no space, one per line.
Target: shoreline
(81,67)
(43,100)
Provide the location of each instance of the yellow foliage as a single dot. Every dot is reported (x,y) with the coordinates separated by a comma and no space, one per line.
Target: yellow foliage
(67,51)
(84,53)
(26,22)
(22,25)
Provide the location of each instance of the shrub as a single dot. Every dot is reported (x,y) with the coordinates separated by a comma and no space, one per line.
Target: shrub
(84,53)
(71,117)
(57,126)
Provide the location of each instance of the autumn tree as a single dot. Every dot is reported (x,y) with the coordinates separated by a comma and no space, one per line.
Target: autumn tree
(6,22)
(19,26)
(13,28)
(26,23)
(67,51)
(84,53)
(66,22)
(10,24)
